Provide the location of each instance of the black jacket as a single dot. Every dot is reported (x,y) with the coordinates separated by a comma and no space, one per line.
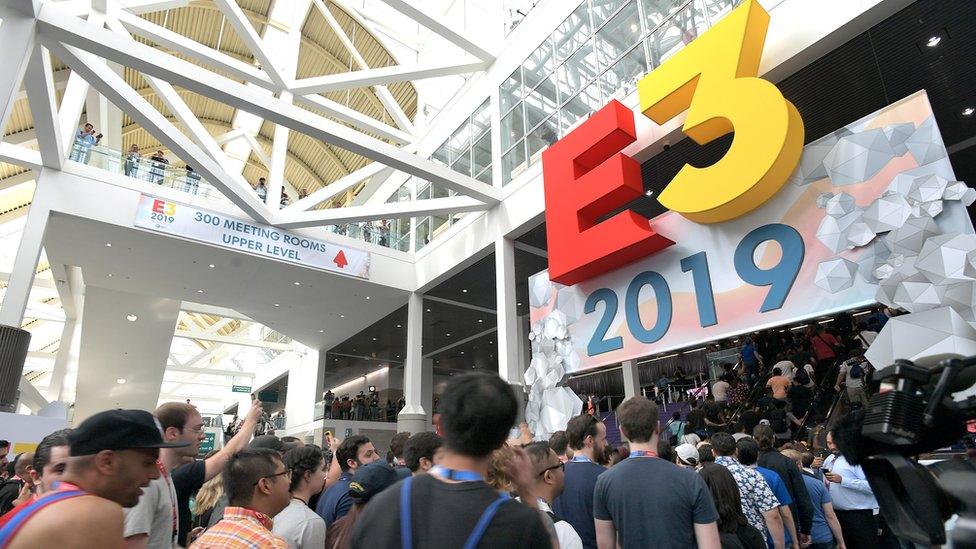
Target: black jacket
(801,507)
(9,490)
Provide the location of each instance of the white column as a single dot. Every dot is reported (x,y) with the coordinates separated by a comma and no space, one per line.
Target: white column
(28,253)
(417,372)
(303,380)
(507,316)
(67,353)
(17,35)
(631,378)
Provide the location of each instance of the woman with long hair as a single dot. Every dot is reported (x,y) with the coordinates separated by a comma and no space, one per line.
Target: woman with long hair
(368,481)
(734,530)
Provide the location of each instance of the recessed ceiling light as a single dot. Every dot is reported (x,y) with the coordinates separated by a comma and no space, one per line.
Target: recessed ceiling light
(464,291)
(321,331)
(491,342)
(342,316)
(933,41)
(448,335)
(519,303)
(131,317)
(367,297)
(199,291)
(109,275)
(108,244)
(120,380)
(481,320)
(462,352)
(277,305)
(648,192)
(399,325)
(968,111)
(633,27)
(212,266)
(374,339)
(297,283)
(428,310)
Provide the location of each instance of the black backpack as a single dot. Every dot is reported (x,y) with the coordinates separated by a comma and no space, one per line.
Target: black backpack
(777,420)
(857,371)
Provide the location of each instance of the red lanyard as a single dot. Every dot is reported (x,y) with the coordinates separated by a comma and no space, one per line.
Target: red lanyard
(165,475)
(642,454)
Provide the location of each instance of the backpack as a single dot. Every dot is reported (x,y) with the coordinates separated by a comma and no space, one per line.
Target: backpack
(777,420)
(856,371)
(673,438)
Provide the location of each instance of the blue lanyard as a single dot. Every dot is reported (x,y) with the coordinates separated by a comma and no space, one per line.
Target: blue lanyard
(581,459)
(642,454)
(451,474)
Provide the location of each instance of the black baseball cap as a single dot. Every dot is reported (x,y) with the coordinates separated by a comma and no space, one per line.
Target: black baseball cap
(271,442)
(118,430)
(370,480)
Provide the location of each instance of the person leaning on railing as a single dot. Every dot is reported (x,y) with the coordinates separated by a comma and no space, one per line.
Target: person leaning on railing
(132,159)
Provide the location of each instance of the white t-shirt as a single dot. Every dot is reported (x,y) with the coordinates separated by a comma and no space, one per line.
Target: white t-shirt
(565,533)
(809,369)
(866,338)
(155,514)
(720,390)
(786,367)
(300,526)
(850,382)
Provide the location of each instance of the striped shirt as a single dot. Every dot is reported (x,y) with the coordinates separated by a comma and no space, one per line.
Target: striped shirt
(240,527)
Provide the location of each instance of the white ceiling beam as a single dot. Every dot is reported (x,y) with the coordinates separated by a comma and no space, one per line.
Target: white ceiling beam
(149,6)
(394,210)
(230,340)
(245,31)
(231,135)
(337,187)
(42,283)
(42,355)
(18,30)
(355,118)
(214,310)
(60,81)
(219,325)
(21,156)
(41,95)
(194,50)
(115,88)
(276,168)
(383,75)
(209,372)
(441,29)
(72,103)
(384,95)
(54,27)
(19,179)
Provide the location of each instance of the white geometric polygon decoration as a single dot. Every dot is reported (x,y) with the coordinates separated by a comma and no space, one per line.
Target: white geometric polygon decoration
(929,209)
(961,296)
(823,199)
(540,289)
(897,134)
(970,269)
(901,183)
(926,338)
(909,238)
(858,157)
(968,197)
(915,294)
(955,191)
(811,166)
(943,257)
(551,406)
(835,275)
(927,189)
(833,230)
(840,205)
(887,213)
(925,143)
(570,301)
(859,234)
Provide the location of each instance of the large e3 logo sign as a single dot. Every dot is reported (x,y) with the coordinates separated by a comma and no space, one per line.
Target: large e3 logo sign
(715,79)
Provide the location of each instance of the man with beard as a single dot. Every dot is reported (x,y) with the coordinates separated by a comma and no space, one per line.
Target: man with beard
(587,437)
(113,455)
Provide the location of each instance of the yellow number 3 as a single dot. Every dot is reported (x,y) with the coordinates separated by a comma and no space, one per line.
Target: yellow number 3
(714,78)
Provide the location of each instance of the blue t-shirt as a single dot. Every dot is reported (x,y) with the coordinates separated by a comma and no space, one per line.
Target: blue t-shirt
(778,487)
(749,355)
(335,502)
(653,503)
(820,531)
(575,505)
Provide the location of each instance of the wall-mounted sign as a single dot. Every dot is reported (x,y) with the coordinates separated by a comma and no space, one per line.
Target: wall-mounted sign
(715,79)
(241,389)
(208,443)
(861,200)
(240,235)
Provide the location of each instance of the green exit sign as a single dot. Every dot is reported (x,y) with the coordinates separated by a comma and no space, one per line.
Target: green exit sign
(241,389)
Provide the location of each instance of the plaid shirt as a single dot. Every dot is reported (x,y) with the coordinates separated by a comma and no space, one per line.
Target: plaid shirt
(240,528)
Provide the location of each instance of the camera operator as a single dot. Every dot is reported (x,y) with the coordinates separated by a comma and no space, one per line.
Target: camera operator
(853,499)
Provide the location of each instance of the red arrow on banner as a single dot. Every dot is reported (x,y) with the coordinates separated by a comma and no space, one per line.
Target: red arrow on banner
(340,260)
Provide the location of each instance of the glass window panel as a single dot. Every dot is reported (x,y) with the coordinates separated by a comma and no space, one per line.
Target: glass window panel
(572,33)
(539,64)
(438,192)
(604,9)
(624,73)
(480,121)
(577,71)
(510,92)
(715,9)
(541,102)
(459,142)
(481,154)
(618,35)
(541,137)
(513,163)
(462,164)
(423,232)
(656,11)
(485,176)
(438,225)
(675,34)
(584,104)
(442,155)
(512,127)
(423,189)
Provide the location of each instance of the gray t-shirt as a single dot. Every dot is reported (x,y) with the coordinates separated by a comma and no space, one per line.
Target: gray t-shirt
(653,503)
(155,514)
(300,526)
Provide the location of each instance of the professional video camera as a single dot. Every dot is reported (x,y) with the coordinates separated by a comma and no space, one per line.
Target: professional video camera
(914,413)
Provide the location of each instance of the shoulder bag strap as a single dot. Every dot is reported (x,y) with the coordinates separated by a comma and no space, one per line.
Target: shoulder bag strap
(484,521)
(10,529)
(406,529)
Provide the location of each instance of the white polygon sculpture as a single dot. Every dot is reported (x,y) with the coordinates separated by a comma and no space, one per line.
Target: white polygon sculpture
(926,338)
(901,184)
(540,289)
(859,234)
(909,238)
(823,199)
(551,406)
(929,209)
(955,191)
(927,189)
(570,301)
(840,205)
(835,275)
(916,293)
(887,213)
(961,296)
(926,143)
(811,167)
(833,230)
(943,257)
(897,134)
(858,157)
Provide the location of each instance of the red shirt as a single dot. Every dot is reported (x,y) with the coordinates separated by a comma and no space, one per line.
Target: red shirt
(823,345)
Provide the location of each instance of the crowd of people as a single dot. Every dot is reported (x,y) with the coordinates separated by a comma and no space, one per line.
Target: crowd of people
(361,407)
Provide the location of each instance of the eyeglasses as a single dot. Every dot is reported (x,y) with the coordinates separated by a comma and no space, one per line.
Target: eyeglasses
(560,465)
(285,472)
